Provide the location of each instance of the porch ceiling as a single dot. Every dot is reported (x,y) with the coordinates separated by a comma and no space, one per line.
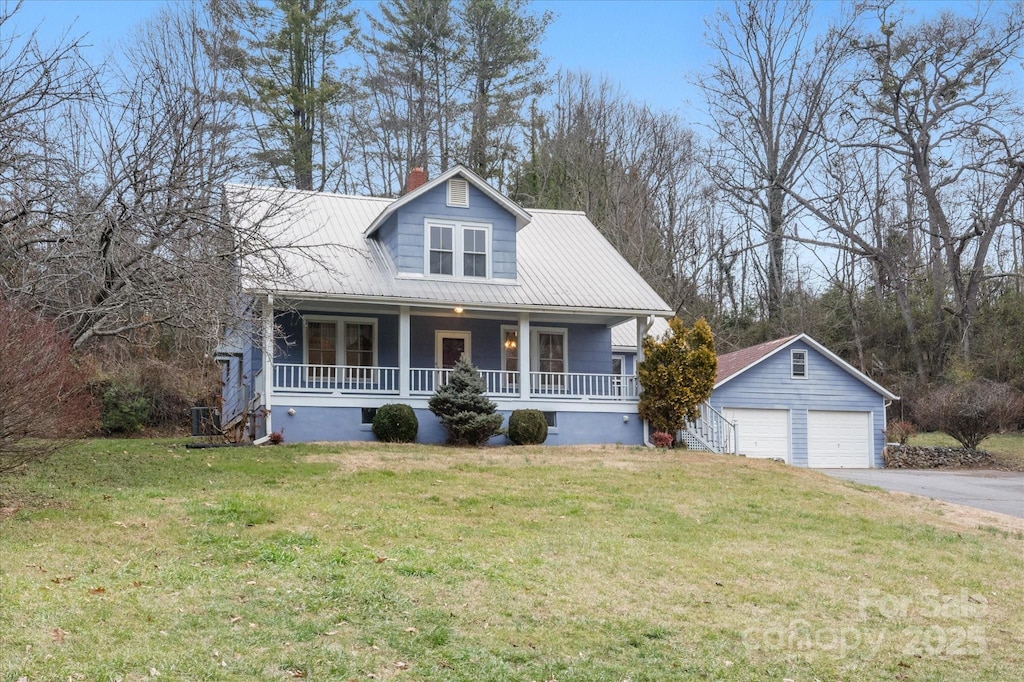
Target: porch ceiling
(320,305)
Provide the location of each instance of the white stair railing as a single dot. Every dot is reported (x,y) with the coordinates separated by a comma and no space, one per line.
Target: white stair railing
(710,431)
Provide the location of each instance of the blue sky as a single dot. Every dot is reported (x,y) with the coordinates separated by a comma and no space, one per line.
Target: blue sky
(646,46)
(649,47)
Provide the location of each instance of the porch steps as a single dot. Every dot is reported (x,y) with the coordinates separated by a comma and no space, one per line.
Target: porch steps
(710,432)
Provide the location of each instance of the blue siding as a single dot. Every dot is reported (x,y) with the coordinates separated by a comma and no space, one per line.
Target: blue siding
(403,233)
(344,424)
(590,348)
(827,387)
(388,236)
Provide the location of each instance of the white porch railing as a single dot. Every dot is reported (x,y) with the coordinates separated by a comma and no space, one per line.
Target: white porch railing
(711,431)
(296,378)
(335,379)
(499,382)
(575,385)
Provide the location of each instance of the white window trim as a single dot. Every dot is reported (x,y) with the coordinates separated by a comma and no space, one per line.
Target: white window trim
(792,359)
(535,333)
(339,335)
(452,334)
(458,245)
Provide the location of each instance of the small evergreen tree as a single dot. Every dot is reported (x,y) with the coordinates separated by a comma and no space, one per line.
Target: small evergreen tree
(468,415)
(677,375)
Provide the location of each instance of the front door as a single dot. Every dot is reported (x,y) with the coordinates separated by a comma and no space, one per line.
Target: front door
(450,347)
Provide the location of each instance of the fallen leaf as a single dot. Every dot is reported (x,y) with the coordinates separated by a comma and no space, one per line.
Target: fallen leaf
(62,579)
(98,590)
(411,629)
(235,619)
(381,559)
(401,665)
(58,635)
(297,672)
(136,583)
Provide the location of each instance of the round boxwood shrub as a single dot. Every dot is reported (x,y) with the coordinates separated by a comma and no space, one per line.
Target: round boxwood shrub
(527,427)
(395,423)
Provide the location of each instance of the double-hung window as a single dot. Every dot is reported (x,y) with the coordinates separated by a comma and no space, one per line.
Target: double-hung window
(456,249)
(355,337)
(550,357)
(799,364)
(442,250)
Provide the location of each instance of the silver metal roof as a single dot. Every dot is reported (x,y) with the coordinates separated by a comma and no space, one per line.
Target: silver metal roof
(624,335)
(319,251)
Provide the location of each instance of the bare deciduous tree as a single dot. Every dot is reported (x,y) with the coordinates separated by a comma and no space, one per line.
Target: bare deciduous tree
(768,95)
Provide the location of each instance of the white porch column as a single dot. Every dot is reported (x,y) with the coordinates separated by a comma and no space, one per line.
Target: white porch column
(268,358)
(640,332)
(524,355)
(404,340)
(643,326)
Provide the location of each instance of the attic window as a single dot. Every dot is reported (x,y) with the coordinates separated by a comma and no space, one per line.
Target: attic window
(458,193)
(799,358)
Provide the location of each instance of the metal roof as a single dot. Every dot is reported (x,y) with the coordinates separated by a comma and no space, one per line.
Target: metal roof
(319,251)
(624,335)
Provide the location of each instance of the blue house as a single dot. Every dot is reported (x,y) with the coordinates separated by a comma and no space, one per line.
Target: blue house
(372,301)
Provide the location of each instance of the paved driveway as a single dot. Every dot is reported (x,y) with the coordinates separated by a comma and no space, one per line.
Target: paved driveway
(999,491)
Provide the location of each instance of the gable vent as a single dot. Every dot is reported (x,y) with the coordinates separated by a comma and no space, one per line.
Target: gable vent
(458,192)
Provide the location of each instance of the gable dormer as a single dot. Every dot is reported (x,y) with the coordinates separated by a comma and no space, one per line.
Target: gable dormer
(455,227)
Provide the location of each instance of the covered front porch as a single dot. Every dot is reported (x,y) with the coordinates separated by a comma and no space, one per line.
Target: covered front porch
(408,351)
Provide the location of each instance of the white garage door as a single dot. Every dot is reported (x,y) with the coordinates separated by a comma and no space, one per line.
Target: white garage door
(762,433)
(839,440)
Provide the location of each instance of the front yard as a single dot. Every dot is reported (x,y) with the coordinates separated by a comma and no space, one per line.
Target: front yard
(140,560)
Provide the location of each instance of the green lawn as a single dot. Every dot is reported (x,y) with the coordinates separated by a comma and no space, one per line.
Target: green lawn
(1006,448)
(132,560)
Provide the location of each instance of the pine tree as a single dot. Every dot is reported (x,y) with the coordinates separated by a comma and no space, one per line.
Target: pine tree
(469,416)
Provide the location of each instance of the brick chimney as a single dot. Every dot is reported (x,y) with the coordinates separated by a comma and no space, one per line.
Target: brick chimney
(417,178)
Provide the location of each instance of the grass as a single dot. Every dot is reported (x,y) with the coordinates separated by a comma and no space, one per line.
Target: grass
(1006,448)
(132,559)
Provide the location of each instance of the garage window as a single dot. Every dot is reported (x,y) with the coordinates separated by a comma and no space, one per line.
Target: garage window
(799,364)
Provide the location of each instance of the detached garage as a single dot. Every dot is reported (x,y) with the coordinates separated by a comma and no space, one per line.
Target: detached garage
(794,400)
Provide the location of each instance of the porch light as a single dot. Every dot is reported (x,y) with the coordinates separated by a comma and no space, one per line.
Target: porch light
(459,310)
(510,343)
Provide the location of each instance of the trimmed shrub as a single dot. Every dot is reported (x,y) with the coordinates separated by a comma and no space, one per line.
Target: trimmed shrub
(527,427)
(662,439)
(125,410)
(395,423)
(463,409)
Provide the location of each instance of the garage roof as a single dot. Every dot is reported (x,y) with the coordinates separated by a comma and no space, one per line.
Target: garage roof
(731,365)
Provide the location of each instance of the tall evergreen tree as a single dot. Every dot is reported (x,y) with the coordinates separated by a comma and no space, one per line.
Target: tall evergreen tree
(503,69)
(286,60)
